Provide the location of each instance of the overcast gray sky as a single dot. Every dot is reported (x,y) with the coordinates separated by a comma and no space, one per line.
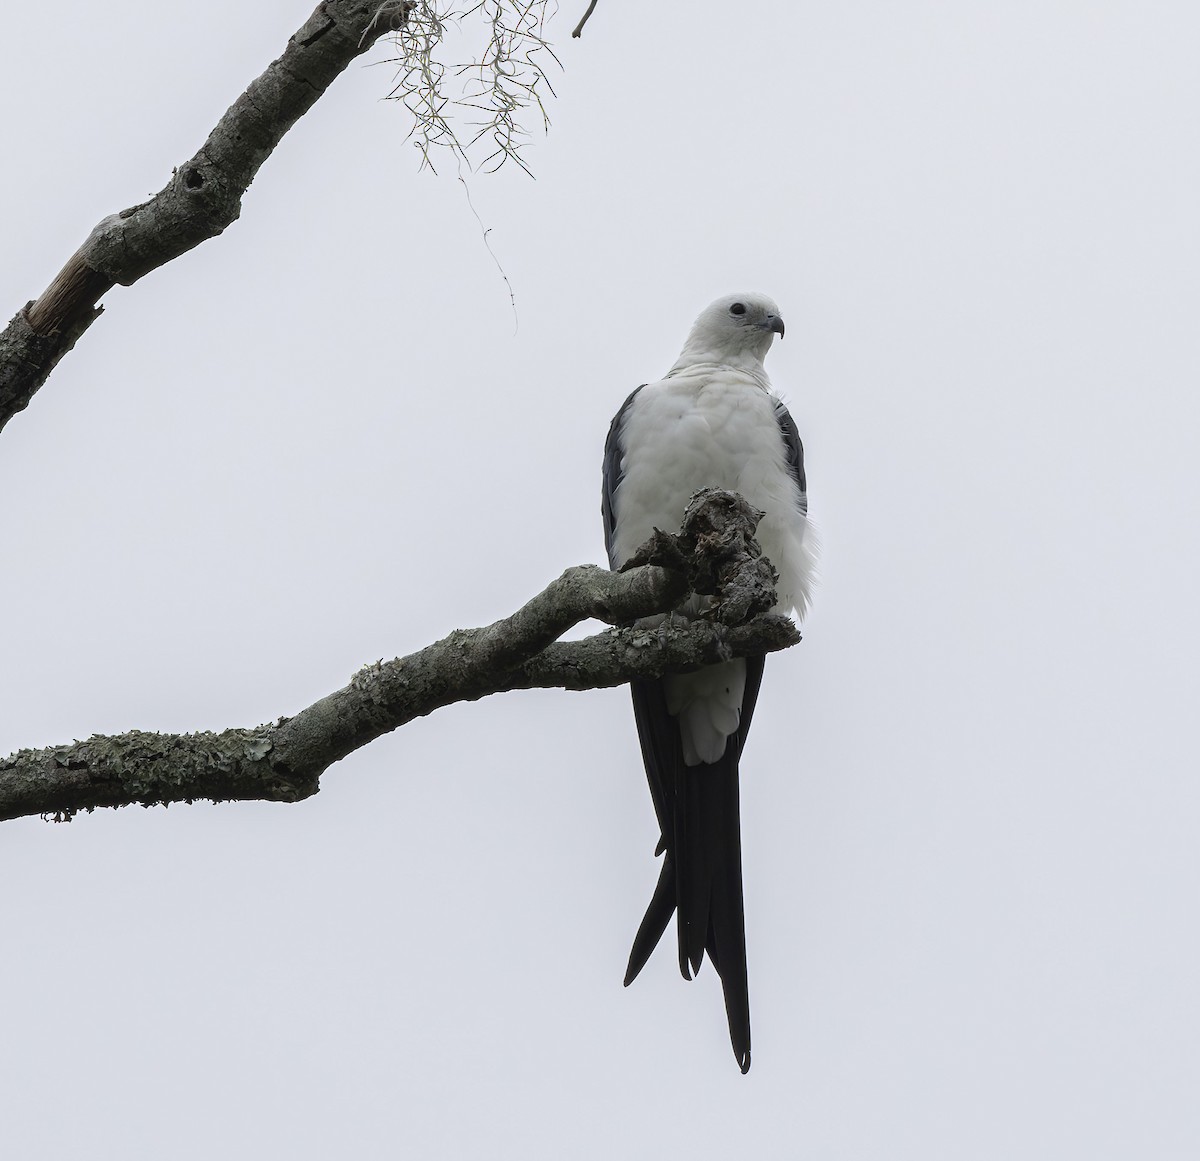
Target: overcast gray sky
(970,796)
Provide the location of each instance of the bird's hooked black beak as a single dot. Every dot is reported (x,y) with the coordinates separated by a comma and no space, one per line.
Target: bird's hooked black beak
(774,324)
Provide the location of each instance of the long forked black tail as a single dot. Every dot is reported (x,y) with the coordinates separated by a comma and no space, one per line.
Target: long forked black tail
(701,876)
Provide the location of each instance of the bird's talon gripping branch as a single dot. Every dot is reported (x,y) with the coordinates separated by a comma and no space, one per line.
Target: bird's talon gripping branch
(662,549)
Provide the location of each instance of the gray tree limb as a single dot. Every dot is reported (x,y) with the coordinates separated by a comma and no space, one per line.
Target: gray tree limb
(715,555)
(203,197)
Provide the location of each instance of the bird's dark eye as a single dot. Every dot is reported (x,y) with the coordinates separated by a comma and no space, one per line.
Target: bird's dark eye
(738,308)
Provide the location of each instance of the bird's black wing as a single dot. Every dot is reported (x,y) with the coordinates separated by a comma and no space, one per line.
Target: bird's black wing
(793,451)
(614,471)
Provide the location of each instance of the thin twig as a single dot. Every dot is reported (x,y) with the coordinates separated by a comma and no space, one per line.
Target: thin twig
(579,27)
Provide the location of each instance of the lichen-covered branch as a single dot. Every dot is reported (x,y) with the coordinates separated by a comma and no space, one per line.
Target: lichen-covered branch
(283,762)
(202,198)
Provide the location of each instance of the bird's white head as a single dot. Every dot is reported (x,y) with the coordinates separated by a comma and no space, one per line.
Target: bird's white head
(737,329)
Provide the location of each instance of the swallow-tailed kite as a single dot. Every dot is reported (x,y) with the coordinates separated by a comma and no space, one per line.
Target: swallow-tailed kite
(712,422)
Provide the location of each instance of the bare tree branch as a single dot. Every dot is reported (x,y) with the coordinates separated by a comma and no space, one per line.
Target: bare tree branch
(202,198)
(715,554)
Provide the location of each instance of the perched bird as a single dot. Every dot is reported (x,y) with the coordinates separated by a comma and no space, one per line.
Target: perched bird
(712,422)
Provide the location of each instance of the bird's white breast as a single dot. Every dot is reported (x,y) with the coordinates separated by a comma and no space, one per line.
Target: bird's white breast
(711,426)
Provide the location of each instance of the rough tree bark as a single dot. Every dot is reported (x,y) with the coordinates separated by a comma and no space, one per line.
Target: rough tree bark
(203,197)
(714,555)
